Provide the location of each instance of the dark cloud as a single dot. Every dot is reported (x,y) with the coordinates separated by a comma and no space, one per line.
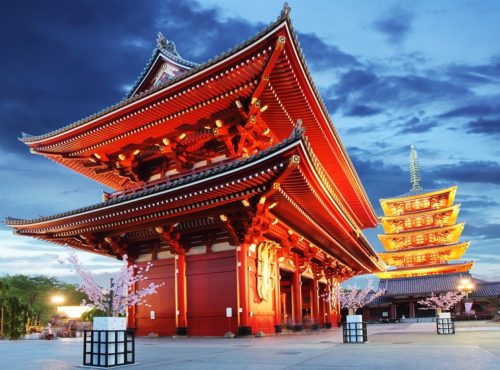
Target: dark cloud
(395,26)
(361,110)
(366,87)
(372,171)
(490,231)
(66,62)
(469,172)
(321,55)
(475,74)
(417,125)
(473,110)
(476,202)
(484,126)
(355,80)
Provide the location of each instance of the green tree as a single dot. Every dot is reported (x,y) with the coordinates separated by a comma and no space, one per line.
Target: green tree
(26,301)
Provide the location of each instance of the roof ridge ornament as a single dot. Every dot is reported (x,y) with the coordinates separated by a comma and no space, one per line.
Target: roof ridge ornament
(414,170)
(298,129)
(285,12)
(163,43)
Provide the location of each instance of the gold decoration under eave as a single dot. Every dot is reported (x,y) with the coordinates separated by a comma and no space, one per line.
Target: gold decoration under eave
(267,266)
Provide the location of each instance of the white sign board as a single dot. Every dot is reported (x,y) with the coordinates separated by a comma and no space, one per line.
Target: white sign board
(229,312)
(152,315)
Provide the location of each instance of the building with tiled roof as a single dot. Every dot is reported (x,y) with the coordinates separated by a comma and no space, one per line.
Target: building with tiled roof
(230,177)
(421,238)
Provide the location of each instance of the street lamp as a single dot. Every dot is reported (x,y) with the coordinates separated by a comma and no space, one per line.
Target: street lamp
(57,299)
(466,286)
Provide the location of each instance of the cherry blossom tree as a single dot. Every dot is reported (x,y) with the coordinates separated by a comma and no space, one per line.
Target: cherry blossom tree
(120,294)
(353,297)
(442,302)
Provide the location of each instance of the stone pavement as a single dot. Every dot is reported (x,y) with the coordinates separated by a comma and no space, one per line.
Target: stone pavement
(390,346)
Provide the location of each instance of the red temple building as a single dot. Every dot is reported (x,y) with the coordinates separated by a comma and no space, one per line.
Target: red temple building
(230,177)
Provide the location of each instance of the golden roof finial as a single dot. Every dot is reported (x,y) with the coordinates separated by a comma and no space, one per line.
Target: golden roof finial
(414,170)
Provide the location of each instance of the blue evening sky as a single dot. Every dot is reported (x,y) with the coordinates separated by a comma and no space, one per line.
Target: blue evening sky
(391,73)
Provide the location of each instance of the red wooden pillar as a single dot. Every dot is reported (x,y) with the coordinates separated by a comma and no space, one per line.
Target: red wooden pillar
(277,297)
(315,301)
(329,320)
(244,327)
(131,309)
(181,294)
(297,297)
(393,311)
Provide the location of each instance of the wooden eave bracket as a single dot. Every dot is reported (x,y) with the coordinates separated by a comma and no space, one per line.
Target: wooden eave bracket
(172,237)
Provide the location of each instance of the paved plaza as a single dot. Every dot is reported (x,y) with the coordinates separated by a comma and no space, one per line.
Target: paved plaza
(476,345)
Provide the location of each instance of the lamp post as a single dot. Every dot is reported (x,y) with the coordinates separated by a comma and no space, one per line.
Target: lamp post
(466,286)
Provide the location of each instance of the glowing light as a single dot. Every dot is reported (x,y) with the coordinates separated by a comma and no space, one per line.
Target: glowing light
(218,123)
(245,202)
(267,131)
(223,218)
(57,299)
(264,108)
(137,151)
(166,142)
(262,200)
(182,136)
(97,155)
(466,286)
(121,157)
(72,312)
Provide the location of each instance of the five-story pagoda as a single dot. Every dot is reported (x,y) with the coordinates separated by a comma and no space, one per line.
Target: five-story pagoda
(421,233)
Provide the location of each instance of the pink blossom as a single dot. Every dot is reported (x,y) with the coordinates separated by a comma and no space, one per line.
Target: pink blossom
(353,298)
(443,301)
(121,286)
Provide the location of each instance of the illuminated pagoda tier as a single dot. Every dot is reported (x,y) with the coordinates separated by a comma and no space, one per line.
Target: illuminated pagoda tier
(230,177)
(421,233)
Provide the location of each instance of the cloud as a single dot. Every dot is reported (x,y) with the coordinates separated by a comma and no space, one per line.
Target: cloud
(361,110)
(476,202)
(82,63)
(469,172)
(473,110)
(369,87)
(395,25)
(20,255)
(417,125)
(321,55)
(371,171)
(475,74)
(484,126)
(484,232)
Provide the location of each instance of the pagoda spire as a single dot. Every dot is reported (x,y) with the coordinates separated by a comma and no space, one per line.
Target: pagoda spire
(414,170)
